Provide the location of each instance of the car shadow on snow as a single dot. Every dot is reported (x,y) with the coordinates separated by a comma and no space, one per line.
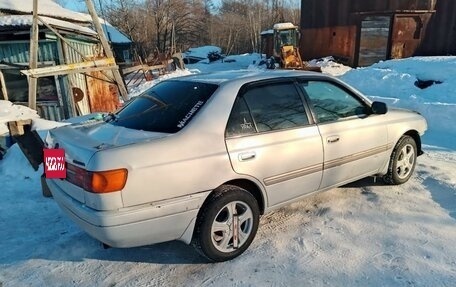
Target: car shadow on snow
(173,252)
(366,182)
(364,185)
(77,246)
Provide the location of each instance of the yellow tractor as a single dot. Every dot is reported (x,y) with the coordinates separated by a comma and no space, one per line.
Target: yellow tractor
(281,46)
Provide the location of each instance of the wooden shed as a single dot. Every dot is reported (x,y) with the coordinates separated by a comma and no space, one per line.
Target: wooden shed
(58,96)
(363,32)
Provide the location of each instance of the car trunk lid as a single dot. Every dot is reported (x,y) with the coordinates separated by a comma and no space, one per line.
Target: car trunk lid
(82,141)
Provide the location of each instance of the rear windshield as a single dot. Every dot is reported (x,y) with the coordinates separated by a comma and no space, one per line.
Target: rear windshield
(167,107)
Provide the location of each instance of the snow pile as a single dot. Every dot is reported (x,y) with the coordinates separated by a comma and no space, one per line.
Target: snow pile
(394,81)
(137,90)
(202,52)
(232,62)
(329,66)
(11,112)
(16,166)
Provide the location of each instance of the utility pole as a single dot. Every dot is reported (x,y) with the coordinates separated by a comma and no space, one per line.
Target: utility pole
(33,57)
(106,48)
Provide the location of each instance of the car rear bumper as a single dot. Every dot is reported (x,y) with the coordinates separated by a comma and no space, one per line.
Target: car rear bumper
(134,226)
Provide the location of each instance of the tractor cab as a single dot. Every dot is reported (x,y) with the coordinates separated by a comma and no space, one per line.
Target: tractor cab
(285,34)
(280,45)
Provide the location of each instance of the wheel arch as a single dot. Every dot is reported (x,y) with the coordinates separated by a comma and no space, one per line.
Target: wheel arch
(416,137)
(253,189)
(414,134)
(247,184)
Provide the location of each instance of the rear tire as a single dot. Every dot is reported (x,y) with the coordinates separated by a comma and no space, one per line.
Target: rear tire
(226,224)
(402,162)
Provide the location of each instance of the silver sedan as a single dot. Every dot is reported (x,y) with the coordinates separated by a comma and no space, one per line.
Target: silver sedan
(201,158)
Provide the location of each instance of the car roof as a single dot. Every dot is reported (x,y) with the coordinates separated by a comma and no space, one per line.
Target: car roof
(245,76)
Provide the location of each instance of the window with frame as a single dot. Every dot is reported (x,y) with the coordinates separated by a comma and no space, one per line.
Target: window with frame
(16,85)
(331,102)
(266,108)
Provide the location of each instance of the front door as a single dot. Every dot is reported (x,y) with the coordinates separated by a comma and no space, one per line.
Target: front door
(354,141)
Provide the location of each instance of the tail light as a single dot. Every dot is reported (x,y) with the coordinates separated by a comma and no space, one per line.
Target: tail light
(97,181)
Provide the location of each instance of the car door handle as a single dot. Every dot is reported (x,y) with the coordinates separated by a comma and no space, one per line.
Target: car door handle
(332,139)
(247,156)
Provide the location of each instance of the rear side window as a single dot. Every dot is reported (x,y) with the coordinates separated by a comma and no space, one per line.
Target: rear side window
(264,108)
(240,122)
(167,107)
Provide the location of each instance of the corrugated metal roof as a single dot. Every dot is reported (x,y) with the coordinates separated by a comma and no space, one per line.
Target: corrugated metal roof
(54,10)
(45,8)
(27,20)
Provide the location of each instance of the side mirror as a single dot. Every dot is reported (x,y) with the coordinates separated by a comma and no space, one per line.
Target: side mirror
(379,108)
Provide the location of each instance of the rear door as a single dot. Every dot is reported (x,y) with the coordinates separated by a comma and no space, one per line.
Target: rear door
(354,141)
(271,137)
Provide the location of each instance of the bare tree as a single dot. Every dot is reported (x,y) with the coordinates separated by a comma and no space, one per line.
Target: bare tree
(164,25)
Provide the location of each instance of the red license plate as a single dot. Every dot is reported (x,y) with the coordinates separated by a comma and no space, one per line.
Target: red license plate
(54,163)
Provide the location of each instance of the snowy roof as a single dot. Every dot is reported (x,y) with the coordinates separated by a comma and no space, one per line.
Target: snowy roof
(267,32)
(113,34)
(281,26)
(45,7)
(54,10)
(27,20)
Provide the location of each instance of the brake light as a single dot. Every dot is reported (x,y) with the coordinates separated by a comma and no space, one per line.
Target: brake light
(97,181)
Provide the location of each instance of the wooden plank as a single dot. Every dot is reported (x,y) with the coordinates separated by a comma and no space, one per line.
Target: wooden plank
(103,97)
(33,57)
(101,64)
(3,84)
(82,71)
(144,68)
(16,128)
(107,49)
(134,69)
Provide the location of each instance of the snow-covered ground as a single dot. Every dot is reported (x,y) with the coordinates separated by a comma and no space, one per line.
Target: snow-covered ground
(236,62)
(362,234)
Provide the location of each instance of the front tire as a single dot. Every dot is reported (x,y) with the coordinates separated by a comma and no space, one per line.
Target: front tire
(226,224)
(402,161)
